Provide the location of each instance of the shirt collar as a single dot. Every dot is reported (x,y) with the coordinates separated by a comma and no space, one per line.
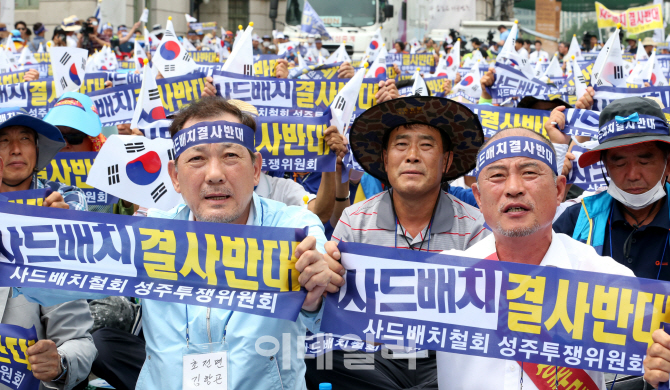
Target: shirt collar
(443,221)
(556,255)
(661,220)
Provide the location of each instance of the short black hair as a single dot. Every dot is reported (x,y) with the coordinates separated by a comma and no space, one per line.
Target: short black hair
(538,41)
(16,25)
(401,44)
(501,26)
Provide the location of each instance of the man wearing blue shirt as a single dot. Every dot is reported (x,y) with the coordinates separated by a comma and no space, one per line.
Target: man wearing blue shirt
(216,178)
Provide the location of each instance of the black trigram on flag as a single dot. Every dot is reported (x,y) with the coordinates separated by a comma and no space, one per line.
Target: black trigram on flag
(83,63)
(170,68)
(339,104)
(168,33)
(113,174)
(581,78)
(66,57)
(158,193)
(171,154)
(186,57)
(618,72)
(247,70)
(134,147)
(63,83)
(153,94)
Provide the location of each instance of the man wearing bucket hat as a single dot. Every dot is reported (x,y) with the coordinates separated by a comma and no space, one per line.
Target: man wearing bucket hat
(413,145)
(518,190)
(630,221)
(27,145)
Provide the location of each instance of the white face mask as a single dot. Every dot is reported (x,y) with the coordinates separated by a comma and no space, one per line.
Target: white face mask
(638,201)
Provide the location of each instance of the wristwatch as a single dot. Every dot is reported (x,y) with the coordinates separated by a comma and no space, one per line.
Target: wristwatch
(63,367)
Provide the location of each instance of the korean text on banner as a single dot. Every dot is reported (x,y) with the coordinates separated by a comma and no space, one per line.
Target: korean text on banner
(234,267)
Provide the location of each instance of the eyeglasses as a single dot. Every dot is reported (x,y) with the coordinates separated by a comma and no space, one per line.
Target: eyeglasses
(21,28)
(74,138)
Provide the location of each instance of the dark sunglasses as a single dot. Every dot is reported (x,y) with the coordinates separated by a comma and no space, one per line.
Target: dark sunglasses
(74,138)
(21,28)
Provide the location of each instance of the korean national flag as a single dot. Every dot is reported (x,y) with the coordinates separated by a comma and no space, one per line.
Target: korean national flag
(69,68)
(149,115)
(241,60)
(378,68)
(171,58)
(344,103)
(419,87)
(136,169)
(5,66)
(138,55)
(27,57)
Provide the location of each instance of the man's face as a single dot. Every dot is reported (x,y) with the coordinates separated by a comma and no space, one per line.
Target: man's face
(517,196)
(254,44)
(229,38)
(648,49)
(594,41)
(319,45)
(632,43)
(563,49)
(216,180)
(415,160)
(636,168)
(75,140)
(18,151)
(108,33)
(518,45)
(192,37)
(538,46)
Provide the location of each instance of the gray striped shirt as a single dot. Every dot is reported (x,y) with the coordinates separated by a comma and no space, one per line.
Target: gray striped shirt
(456,225)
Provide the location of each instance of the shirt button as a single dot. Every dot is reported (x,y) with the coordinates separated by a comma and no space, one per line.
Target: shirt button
(630,260)
(511,368)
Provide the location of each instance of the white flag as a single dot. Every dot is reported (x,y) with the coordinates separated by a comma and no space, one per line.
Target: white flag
(600,60)
(612,72)
(224,53)
(339,55)
(41,48)
(147,40)
(453,60)
(145,16)
(190,19)
(653,74)
(69,68)
(537,72)
(136,169)
(138,55)
(27,57)
(188,45)
(419,87)
(471,84)
(5,66)
(375,44)
(149,112)
(241,60)
(11,57)
(508,51)
(378,66)
(286,48)
(553,70)
(574,49)
(580,80)
(641,54)
(171,58)
(345,101)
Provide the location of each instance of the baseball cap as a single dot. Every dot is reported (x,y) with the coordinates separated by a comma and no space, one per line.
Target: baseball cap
(49,139)
(628,121)
(76,110)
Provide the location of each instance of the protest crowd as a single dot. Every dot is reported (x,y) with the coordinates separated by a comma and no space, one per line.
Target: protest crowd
(454,215)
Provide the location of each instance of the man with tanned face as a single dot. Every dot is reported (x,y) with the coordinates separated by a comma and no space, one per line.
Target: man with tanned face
(413,145)
(518,190)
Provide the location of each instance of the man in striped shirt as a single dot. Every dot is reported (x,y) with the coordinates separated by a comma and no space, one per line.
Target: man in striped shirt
(413,145)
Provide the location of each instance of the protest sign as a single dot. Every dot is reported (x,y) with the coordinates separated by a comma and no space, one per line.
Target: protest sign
(234,267)
(496,309)
(73,168)
(15,369)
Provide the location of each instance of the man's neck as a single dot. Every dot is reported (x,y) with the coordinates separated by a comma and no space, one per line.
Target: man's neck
(25,185)
(414,211)
(643,216)
(527,250)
